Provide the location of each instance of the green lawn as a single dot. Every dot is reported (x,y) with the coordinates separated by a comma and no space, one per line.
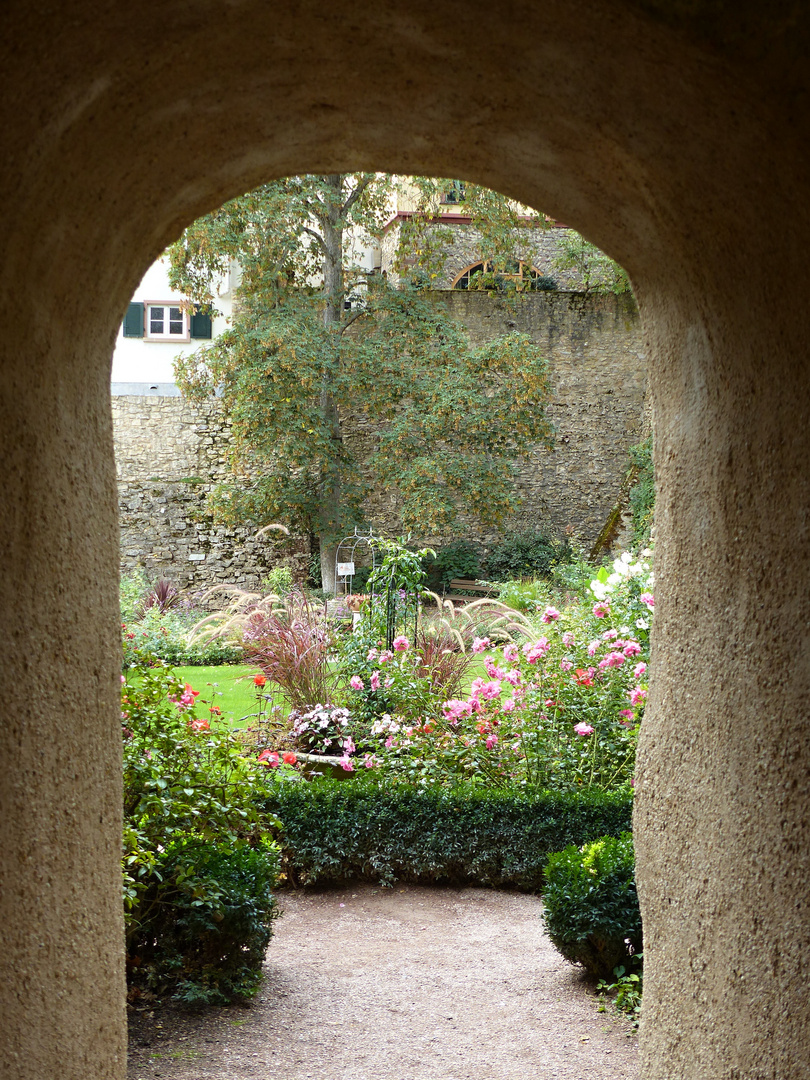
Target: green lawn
(230,687)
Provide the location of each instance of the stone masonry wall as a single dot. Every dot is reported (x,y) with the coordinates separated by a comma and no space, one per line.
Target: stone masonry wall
(541,247)
(171,453)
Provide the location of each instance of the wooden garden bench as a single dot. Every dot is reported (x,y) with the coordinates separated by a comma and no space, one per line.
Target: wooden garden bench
(469,585)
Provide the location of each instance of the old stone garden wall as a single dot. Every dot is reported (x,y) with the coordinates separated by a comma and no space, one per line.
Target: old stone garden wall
(171,453)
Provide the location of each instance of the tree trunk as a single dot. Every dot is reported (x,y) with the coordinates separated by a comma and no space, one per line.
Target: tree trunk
(330,510)
(328,553)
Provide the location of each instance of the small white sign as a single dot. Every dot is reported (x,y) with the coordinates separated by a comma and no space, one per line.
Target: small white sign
(345,569)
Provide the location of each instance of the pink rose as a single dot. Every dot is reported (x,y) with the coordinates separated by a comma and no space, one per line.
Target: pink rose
(602,610)
(639,670)
(511,654)
(490,690)
(550,615)
(583,729)
(401,643)
(356,683)
(481,644)
(454,709)
(535,651)
(493,670)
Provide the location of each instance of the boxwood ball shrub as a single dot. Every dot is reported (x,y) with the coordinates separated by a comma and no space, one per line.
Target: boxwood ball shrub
(206,918)
(591,905)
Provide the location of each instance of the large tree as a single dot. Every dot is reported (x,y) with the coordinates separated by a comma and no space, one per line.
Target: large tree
(315,338)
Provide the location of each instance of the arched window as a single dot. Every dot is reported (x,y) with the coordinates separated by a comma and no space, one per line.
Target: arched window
(515,274)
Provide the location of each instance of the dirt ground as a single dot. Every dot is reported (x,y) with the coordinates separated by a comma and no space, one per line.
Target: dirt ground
(409,983)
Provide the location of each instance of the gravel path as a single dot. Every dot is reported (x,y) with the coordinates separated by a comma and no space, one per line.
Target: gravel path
(409,983)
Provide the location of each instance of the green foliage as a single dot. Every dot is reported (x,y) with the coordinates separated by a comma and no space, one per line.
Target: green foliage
(461,559)
(627,987)
(206,922)
(166,636)
(525,596)
(525,555)
(642,493)
(315,337)
(189,789)
(279,581)
(360,579)
(591,907)
(398,567)
(597,272)
(133,588)
(384,831)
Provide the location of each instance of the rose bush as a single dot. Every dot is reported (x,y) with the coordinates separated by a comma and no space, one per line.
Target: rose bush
(559,710)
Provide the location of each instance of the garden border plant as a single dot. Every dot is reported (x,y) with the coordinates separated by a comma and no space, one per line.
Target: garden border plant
(199,861)
(377,830)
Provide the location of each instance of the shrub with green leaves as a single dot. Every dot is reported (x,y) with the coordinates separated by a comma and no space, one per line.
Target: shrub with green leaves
(363,828)
(525,555)
(205,921)
(278,581)
(189,788)
(166,635)
(461,559)
(591,906)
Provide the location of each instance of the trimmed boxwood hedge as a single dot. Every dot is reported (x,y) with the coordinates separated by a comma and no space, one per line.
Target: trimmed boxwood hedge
(336,830)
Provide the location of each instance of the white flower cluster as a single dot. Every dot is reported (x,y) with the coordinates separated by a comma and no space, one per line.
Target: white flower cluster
(625,567)
(323,722)
(386,725)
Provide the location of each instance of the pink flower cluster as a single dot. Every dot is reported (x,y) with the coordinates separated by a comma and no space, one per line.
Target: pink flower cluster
(535,651)
(186,699)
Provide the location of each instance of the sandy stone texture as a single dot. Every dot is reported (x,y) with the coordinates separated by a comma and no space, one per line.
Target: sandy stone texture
(410,983)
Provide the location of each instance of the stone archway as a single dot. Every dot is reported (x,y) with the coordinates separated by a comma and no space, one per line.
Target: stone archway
(671,134)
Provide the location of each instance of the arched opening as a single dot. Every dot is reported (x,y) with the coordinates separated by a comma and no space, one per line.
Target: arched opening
(515,274)
(660,134)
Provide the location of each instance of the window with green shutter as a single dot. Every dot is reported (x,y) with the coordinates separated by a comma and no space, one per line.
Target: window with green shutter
(133,321)
(200,324)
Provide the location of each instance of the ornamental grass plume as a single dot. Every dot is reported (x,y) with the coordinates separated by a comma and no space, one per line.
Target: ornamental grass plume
(288,639)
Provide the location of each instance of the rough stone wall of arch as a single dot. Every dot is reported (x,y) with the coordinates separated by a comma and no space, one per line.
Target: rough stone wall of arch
(661,130)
